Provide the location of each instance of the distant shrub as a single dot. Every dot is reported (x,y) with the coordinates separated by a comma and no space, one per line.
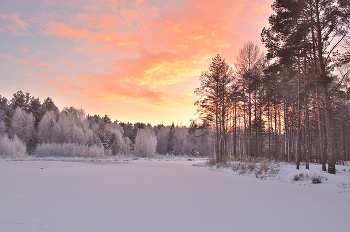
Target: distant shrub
(12,148)
(211,162)
(251,166)
(298,177)
(235,167)
(243,168)
(264,166)
(316,180)
(68,150)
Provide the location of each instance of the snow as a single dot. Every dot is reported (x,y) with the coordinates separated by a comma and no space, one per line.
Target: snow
(158,195)
(285,173)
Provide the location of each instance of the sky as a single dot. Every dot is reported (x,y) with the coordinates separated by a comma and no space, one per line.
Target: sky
(133,60)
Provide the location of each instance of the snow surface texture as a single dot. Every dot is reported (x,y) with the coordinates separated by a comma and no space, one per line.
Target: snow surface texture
(144,195)
(287,173)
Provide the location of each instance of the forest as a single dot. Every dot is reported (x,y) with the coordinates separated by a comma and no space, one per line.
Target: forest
(290,104)
(29,126)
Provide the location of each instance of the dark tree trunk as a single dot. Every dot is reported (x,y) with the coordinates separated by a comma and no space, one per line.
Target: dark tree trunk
(307,134)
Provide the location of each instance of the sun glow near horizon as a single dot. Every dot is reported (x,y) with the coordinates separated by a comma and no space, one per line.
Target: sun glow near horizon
(136,61)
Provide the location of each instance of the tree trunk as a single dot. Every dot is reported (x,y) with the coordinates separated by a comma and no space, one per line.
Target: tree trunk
(329,126)
(235,130)
(286,130)
(298,139)
(307,134)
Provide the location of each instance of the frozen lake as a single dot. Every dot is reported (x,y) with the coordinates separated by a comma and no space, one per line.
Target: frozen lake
(158,196)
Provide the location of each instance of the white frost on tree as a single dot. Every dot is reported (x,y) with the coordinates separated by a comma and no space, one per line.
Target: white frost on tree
(12,148)
(68,150)
(2,128)
(115,141)
(162,139)
(22,126)
(46,127)
(72,127)
(180,135)
(145,142)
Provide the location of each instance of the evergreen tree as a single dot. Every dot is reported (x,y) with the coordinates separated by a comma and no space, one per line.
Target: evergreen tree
(302,36)
(215,101)
(171,140)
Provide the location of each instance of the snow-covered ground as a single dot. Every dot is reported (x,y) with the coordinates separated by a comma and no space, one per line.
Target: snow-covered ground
(158,195)
(288,174)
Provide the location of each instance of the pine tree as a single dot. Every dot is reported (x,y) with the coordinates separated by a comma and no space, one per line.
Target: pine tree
(215,101)
(171,140)
(302,36)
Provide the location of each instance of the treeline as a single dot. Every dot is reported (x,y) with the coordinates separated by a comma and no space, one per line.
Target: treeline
(29,126)
(291,104)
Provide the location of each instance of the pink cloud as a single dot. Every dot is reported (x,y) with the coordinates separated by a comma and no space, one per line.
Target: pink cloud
(23,49)
(64,31)
(81,49)
(4,65)
(154,45)
(37,75)
(100,60)
(69,64)
(97,21)
(51,82)
(42,52)
(16,60)
(43,64)
(13,23)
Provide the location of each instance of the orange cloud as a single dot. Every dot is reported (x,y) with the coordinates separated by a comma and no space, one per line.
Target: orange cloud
(52,82)
(98,21)
(141,51)
(99,59)
(105,36)
(107,86)
(43,64)
(64,31)
(37,75)
(155,69)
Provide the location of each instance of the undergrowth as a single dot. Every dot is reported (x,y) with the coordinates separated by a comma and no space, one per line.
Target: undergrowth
(262,168)
(315,179)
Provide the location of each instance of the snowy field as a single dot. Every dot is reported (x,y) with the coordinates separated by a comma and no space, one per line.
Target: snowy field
(142,195)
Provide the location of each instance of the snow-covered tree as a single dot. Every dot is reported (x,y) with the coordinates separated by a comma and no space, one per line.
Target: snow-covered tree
(194,152)
(180,138)
(46,126)
(12,148)
(68,150)
(162,139)
(2,128)
(114,139)
(171,140)
(22,126)
(145,142)
(72,127)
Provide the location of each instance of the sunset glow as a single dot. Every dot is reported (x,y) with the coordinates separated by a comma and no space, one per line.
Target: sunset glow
(136,61)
